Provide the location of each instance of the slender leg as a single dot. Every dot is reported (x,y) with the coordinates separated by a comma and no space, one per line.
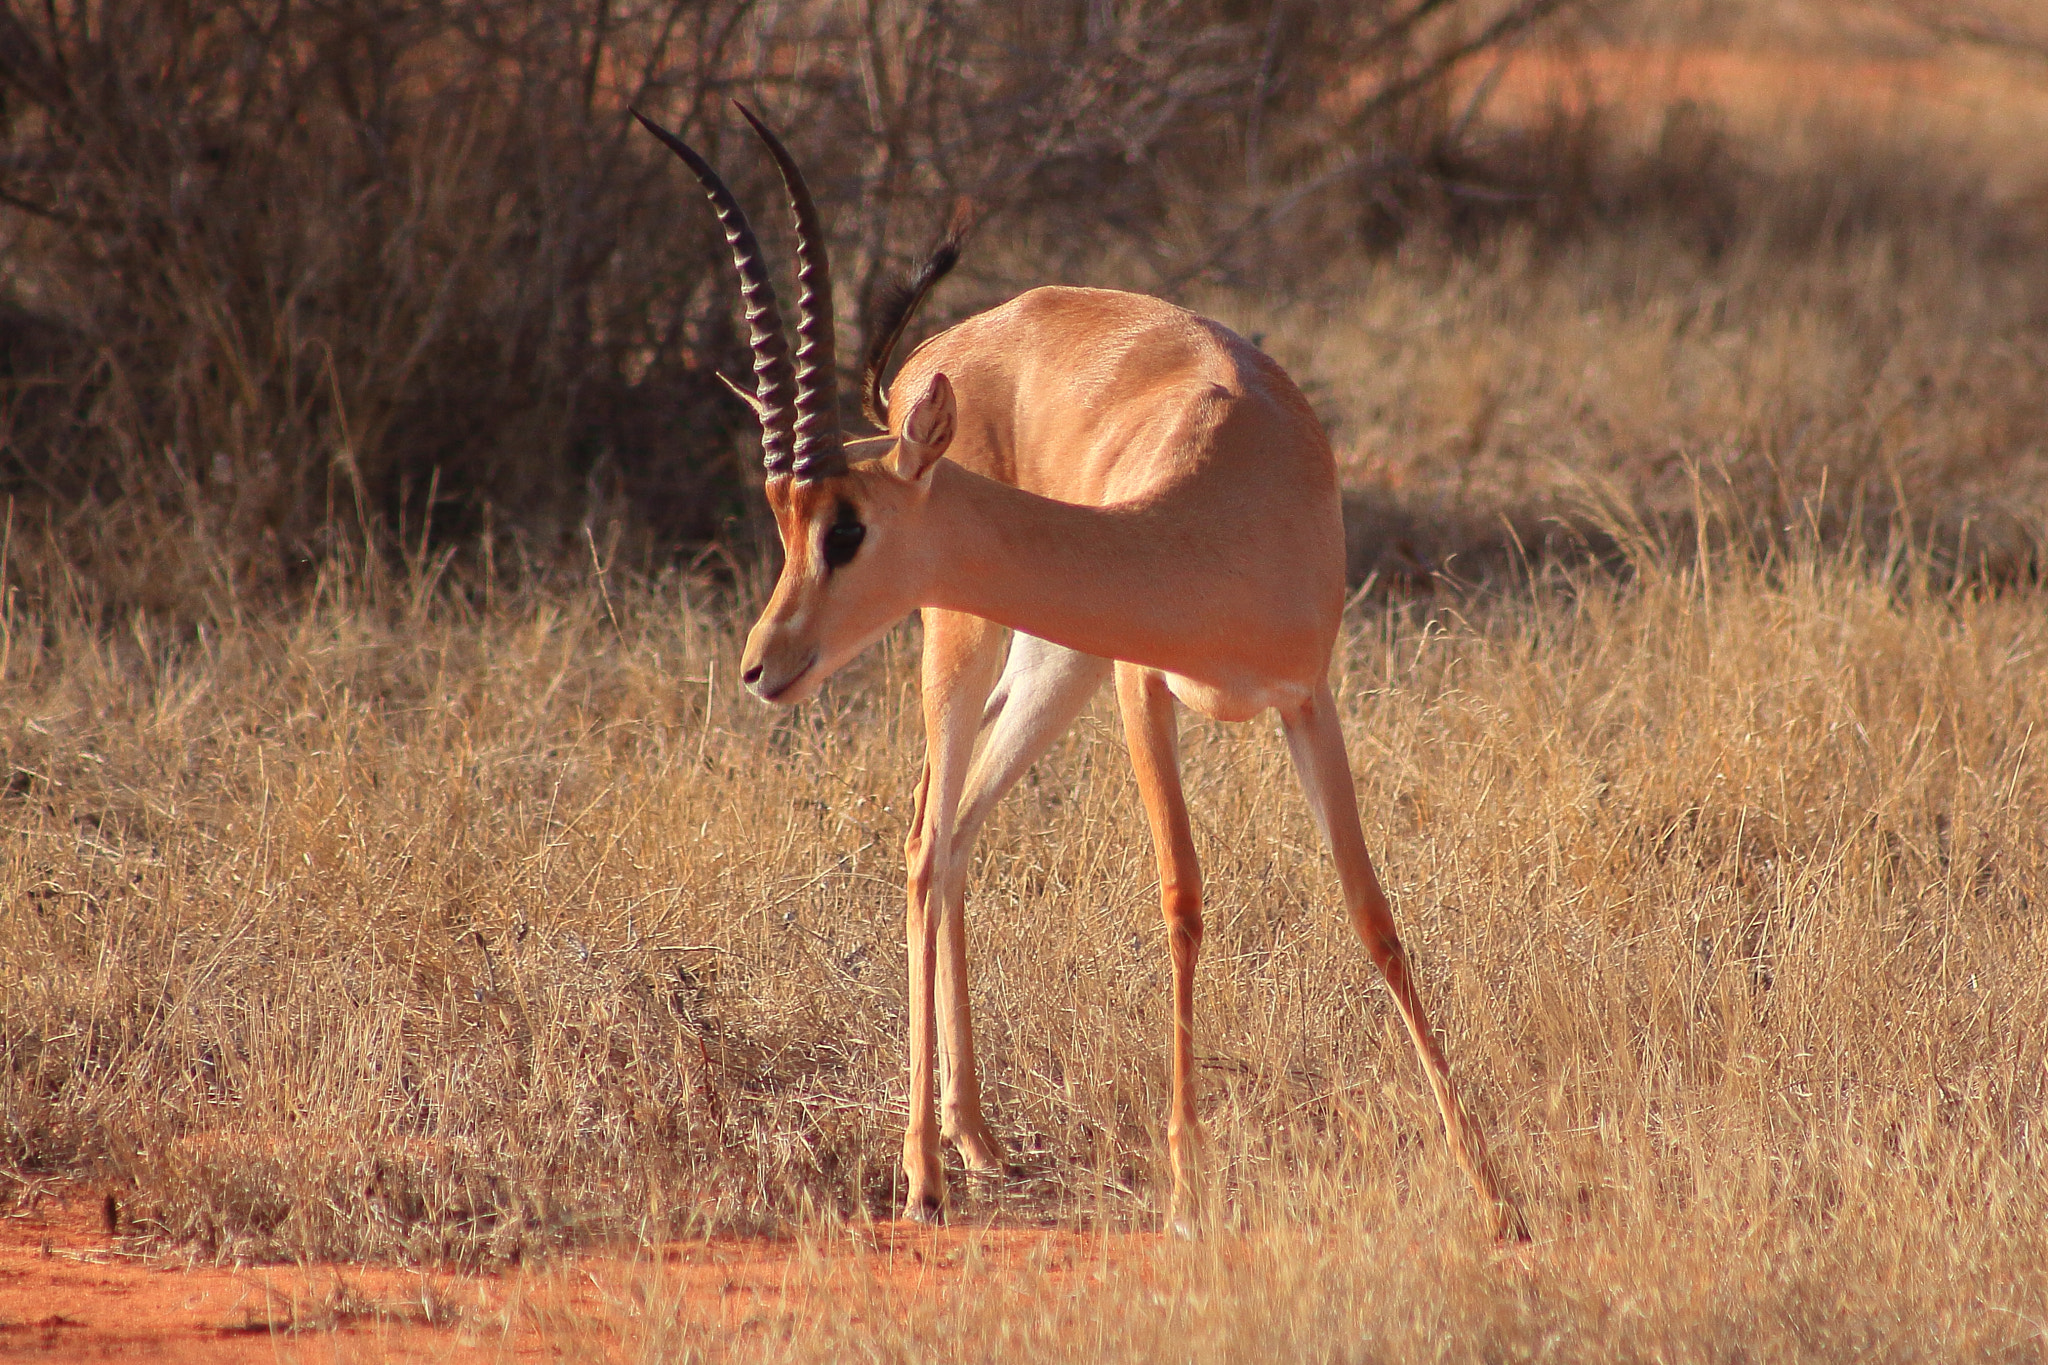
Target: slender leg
(1150,730)
(1043,688)
(1316,741)
(961,656)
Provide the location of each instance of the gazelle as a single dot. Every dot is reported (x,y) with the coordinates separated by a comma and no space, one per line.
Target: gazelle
(1083,482)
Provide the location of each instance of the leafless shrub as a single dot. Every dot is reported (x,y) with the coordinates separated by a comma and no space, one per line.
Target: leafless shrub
(336,266)
(286,276)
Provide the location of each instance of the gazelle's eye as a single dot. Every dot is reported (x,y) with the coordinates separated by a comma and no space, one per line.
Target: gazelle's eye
(843,538)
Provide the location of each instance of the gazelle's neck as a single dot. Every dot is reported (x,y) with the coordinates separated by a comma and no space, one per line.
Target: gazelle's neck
(1077,576)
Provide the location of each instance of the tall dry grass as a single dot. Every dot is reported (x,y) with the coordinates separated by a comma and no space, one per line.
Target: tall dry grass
(1481,404)
(384,929)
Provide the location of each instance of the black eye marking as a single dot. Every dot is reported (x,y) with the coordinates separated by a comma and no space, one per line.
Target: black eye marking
(843,536)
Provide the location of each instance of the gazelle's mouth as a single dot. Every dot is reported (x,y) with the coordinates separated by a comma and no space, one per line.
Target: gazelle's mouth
(782,688)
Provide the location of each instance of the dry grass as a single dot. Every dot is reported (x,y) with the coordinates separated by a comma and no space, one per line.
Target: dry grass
(464,933)
(1834,390)
(459,922)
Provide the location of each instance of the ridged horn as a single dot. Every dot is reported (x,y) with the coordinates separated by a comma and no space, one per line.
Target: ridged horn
(820,446)
(775,397)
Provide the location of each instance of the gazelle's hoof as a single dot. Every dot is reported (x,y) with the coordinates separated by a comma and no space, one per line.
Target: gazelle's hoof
(984,1158)
(1509,1229)
(927,1209)
(1188,1216)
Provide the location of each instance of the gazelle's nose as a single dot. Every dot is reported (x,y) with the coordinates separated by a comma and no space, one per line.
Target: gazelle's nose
(751,676)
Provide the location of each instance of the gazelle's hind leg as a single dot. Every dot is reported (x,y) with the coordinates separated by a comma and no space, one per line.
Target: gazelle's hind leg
(1043,687)
(1316,741)
(1151,731)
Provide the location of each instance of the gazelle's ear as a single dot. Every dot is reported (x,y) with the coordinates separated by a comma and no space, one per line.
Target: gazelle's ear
(926,432)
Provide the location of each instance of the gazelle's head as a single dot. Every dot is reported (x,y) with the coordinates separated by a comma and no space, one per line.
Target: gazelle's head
(852,561)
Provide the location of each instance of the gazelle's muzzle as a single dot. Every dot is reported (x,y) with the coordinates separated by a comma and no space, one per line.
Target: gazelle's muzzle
(781,662)
(780,671)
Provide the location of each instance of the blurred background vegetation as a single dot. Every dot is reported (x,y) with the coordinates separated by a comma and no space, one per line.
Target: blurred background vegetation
(286,281)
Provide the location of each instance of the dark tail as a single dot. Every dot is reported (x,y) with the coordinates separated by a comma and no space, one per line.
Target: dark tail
(900,302)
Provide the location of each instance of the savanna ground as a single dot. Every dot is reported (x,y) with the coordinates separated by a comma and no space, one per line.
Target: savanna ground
(474,929)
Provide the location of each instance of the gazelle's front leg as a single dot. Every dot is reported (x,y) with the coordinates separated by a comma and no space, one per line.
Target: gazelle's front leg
(1151,731)
(1043,688)
(1316,741)
(961,655)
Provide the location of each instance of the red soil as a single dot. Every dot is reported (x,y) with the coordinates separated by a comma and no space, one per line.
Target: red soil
(70,1292)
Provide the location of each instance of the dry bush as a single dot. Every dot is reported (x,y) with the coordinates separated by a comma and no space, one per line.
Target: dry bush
(326,268)
(286,277)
